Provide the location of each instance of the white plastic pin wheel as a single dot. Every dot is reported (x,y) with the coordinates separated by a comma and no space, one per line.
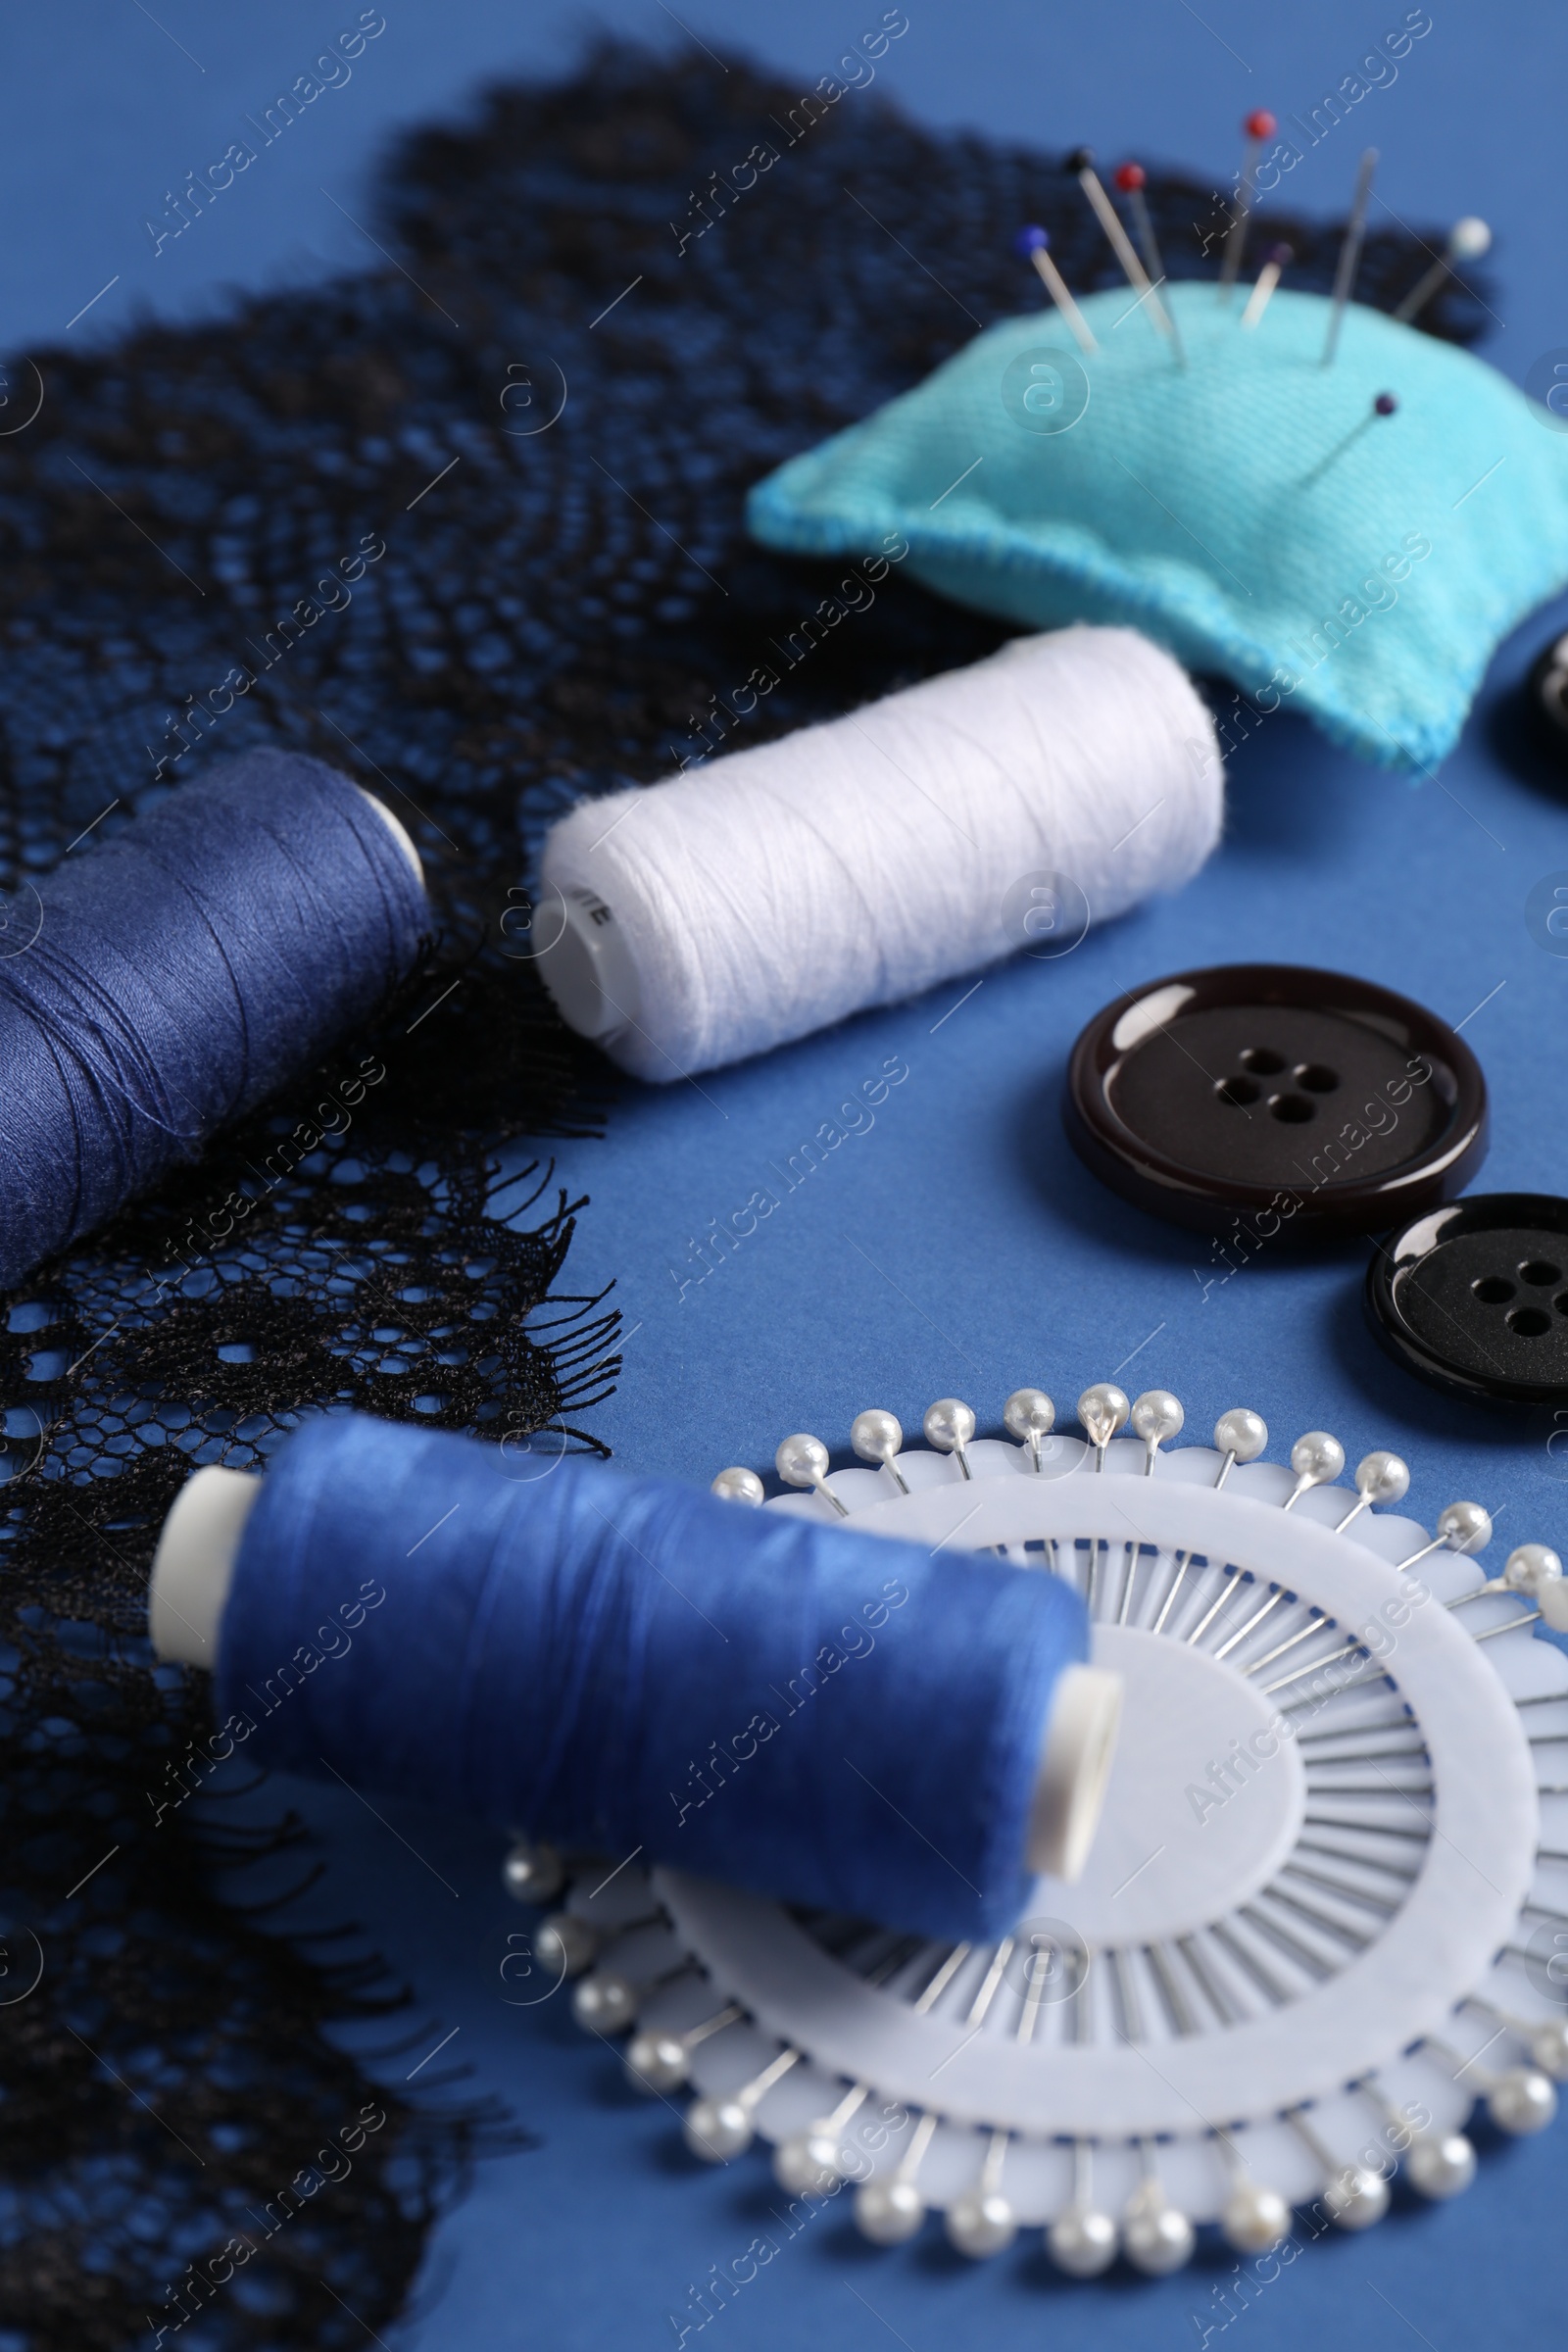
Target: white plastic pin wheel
(1325,1913)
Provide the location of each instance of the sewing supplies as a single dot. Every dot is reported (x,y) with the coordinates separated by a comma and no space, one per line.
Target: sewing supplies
(1193,502)
(170,977)
(775,889)
(1132,179)
(1468,240)
(1276,1102)
(1350,254)
(1280,258)
(1383,404)
(1082,162)
(1033,244)
(1258,126)
(1313,1930)
(1547,694)
(902,1732)
(1474,1297)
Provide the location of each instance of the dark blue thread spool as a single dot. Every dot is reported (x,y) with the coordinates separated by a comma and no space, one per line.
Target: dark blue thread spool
(166,981)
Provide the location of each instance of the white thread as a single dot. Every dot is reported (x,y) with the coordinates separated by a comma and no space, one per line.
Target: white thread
(776,890)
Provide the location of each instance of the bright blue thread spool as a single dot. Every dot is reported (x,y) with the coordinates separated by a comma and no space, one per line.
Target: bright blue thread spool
(598,1659)
(164,982)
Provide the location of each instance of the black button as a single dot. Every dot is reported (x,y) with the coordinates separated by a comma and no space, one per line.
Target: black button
(1312,1104)
(1475,1297)
(1548,692)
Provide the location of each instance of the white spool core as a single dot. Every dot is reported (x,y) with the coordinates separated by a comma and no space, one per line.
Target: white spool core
(399,835)
(1074,1771)
(193,1566)
(587,966)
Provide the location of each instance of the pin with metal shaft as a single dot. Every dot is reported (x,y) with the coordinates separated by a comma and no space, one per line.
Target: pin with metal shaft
(1029,1416)
(1032,244)
(801,1462)
(877,1437)
(1258,126)
(1082,162)
(1240,1435)
(949,1425)
(1318,1460)
(1131,179)
(1384,405)
(1102,1409)
(1350,253)
(1280,258)
(1468,240)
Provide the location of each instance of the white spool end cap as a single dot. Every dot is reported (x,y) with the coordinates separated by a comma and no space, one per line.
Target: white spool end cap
(193,1566)
(585,963)
(399,835)
(1074,1769)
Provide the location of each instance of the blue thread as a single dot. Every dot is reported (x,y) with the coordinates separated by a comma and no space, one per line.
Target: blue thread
(569,1656)
(180,973)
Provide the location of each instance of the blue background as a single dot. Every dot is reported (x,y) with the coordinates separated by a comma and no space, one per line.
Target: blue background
(957,1246)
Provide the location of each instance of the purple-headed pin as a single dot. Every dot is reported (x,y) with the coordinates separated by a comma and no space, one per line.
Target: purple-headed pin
(1384,405)
(1279,260)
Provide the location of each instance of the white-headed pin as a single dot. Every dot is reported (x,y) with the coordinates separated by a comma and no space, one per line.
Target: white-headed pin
(1029,1416)
(801,1462)
(1157,1418)
(1468,240)
(877,1436)
(1102,1410)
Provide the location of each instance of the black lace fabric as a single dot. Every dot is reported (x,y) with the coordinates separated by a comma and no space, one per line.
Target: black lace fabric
(470,527)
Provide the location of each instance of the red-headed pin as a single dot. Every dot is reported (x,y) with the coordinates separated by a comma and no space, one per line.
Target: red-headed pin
(1268,278)
(1258,127)
(1082,162)
(1034,245)
(1131,179)
(1468,240)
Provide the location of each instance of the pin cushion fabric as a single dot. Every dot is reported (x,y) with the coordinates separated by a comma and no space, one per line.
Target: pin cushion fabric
(1253,509)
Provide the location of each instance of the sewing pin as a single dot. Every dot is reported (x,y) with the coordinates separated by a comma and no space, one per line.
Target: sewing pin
(1029,1416)
(801,1462)
(1318,1460)
(1280,258)
(1032,245)
(1380,1477)
(949,1425)
(1468,240)
(1258,126)
(1350,253)
(1102,1409)
(1082,162)
(1131,179)
(878,1437)
(1383,406)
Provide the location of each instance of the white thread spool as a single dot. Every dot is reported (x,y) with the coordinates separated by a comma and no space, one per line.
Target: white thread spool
(779,889)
